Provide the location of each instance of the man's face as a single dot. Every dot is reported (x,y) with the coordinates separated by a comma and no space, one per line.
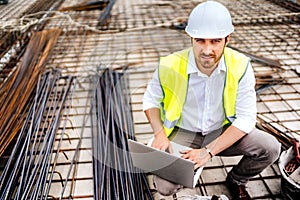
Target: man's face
(208,52)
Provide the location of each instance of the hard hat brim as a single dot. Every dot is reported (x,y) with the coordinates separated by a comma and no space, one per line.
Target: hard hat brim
(198,34)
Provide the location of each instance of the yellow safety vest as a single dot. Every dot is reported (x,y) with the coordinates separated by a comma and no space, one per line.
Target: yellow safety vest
(174,82)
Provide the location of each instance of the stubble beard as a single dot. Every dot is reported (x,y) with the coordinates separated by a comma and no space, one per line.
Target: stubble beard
(209,64)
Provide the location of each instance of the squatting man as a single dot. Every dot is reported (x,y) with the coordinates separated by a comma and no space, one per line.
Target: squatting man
(204,97)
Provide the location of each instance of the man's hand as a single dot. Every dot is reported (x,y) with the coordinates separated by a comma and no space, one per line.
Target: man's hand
(161,142)
(198,156)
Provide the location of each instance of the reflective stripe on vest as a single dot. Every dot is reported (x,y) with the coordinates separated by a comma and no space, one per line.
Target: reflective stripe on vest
(174,82)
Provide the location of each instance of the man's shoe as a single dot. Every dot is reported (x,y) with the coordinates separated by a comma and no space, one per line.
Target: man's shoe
(238,192)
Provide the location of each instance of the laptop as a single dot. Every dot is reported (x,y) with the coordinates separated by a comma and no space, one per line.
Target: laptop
(163,164)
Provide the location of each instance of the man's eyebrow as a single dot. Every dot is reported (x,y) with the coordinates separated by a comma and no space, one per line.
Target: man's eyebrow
(208,39)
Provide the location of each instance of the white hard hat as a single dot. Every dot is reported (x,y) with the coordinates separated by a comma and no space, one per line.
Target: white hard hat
(209,20)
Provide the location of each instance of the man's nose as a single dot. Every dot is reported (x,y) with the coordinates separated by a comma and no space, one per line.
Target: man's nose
(207,48)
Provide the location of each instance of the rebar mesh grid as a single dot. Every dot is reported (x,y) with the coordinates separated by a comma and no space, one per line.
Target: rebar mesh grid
(137,34)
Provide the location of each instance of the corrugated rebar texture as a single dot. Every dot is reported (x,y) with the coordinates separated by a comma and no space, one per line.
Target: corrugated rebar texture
(17,88)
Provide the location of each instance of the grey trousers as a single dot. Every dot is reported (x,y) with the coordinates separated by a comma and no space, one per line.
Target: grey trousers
(259,150)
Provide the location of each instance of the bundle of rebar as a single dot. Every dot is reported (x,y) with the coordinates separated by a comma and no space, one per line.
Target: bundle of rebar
(16,90)
(29,170)
(114,175)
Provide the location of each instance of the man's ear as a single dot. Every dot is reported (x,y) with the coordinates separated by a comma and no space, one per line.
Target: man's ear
(227,39)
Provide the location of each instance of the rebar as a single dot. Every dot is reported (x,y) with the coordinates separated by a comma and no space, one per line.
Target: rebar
(114,175)
(267,29)
(105,15)
(16,90)
(26,173)
(90,5)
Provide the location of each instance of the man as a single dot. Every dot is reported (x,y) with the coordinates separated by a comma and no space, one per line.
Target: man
(204,97)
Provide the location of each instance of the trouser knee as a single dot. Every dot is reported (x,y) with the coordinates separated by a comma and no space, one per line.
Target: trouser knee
(274,150)
(165,187)
(271,149)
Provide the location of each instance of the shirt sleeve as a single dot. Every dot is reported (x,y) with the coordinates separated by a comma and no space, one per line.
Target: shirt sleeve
(246,102)
(153,95)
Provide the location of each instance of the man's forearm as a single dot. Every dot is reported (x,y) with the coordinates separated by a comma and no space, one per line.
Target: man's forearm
(153,116)
(228,138)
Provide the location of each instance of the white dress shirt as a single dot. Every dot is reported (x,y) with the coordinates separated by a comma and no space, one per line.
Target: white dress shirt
(203,109)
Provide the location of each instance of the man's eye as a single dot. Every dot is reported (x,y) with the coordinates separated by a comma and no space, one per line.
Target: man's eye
(216,41)
(199,40)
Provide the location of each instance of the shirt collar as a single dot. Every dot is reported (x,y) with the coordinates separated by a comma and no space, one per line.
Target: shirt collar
(192,67)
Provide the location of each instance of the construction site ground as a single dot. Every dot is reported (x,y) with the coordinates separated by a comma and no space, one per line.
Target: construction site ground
(136,34)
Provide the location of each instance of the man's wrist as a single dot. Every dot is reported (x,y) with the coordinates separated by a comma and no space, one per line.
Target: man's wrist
(159,131)
(208,151)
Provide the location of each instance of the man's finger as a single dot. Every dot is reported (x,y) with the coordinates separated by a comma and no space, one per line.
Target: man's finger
(184,151)
(196,166)
(186,156)
(170,149)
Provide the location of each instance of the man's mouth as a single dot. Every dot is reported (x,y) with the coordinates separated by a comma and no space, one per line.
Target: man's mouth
(207,57)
